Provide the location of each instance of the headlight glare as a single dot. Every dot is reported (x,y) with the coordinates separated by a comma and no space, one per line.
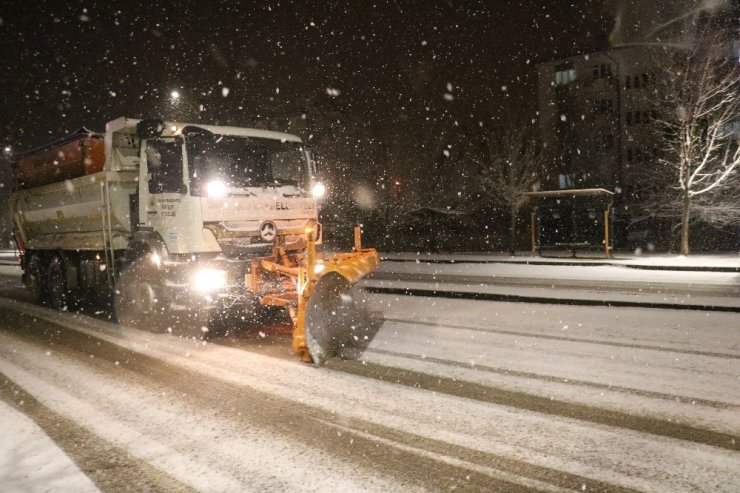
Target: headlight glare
(216,189)
(208,280)
(318,190)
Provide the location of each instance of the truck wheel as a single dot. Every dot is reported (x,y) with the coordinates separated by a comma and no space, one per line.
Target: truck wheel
(136,298)
(59,296)
(34,279)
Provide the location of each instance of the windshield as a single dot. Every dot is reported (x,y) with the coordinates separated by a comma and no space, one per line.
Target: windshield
(241,162)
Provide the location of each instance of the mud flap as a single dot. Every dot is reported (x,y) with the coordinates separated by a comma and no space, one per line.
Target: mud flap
(338,322)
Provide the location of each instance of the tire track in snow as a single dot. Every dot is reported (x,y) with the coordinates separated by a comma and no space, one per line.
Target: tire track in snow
(110,467)
(554,379)
(599,342)
(530,402)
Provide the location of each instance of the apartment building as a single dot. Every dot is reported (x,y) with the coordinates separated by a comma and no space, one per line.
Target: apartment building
(595,116)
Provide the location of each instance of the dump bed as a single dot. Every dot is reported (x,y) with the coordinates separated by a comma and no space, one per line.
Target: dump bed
(79,154)
(82,213)
(65,199)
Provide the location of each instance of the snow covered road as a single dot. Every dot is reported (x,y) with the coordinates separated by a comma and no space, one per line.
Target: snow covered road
(461,394)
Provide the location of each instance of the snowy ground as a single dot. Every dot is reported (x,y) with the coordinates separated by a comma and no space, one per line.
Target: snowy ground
(452,393)
(727,260)
(709,281)
(548,448)
(31,462)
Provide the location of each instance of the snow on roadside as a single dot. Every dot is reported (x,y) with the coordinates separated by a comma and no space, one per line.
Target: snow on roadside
(604,274)
(31,462)
(726,260)
(559,294)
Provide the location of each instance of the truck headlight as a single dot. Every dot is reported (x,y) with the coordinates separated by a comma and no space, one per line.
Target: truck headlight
(216,189)
(318,190)
(208,280)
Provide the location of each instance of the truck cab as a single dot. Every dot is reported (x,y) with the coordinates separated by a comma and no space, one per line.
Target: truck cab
(225,190)
(210,200)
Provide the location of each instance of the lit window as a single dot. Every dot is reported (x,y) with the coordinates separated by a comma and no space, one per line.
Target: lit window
(564,77)
(565,181)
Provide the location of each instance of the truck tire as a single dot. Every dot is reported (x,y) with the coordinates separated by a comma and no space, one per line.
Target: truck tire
(137,296)
(59,297)
(35,279)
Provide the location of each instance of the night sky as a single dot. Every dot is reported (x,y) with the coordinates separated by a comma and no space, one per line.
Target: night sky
(389,64)
(383,90)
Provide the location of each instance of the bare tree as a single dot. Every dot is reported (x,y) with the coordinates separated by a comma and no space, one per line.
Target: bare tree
(699,101)
(511,169)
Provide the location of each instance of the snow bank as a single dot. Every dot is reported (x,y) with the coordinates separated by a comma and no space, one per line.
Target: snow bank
(30,461)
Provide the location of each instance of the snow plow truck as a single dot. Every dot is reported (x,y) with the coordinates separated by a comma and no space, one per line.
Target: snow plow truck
(176,223)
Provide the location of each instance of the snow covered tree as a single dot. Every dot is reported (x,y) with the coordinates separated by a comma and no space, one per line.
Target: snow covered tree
(511,169)
(699,107)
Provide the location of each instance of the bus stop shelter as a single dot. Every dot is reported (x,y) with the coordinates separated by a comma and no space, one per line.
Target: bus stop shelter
(571,219)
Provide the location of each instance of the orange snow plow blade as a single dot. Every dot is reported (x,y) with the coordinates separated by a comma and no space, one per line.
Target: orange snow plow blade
(329,314)
(333,319)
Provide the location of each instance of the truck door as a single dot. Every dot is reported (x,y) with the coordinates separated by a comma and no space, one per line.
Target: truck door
(165,165)
(162,182)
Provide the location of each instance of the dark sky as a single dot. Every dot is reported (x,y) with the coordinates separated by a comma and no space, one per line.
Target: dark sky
(68,64)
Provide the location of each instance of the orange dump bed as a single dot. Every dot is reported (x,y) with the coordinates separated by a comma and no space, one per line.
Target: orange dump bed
(77,155)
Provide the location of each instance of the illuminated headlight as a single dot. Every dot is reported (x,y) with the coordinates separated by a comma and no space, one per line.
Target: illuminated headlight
(216,188)
(318,190)
(318,268)
(208,280)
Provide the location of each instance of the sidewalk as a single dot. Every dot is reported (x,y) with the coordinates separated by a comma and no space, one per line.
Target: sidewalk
(706,282)
(704,263)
